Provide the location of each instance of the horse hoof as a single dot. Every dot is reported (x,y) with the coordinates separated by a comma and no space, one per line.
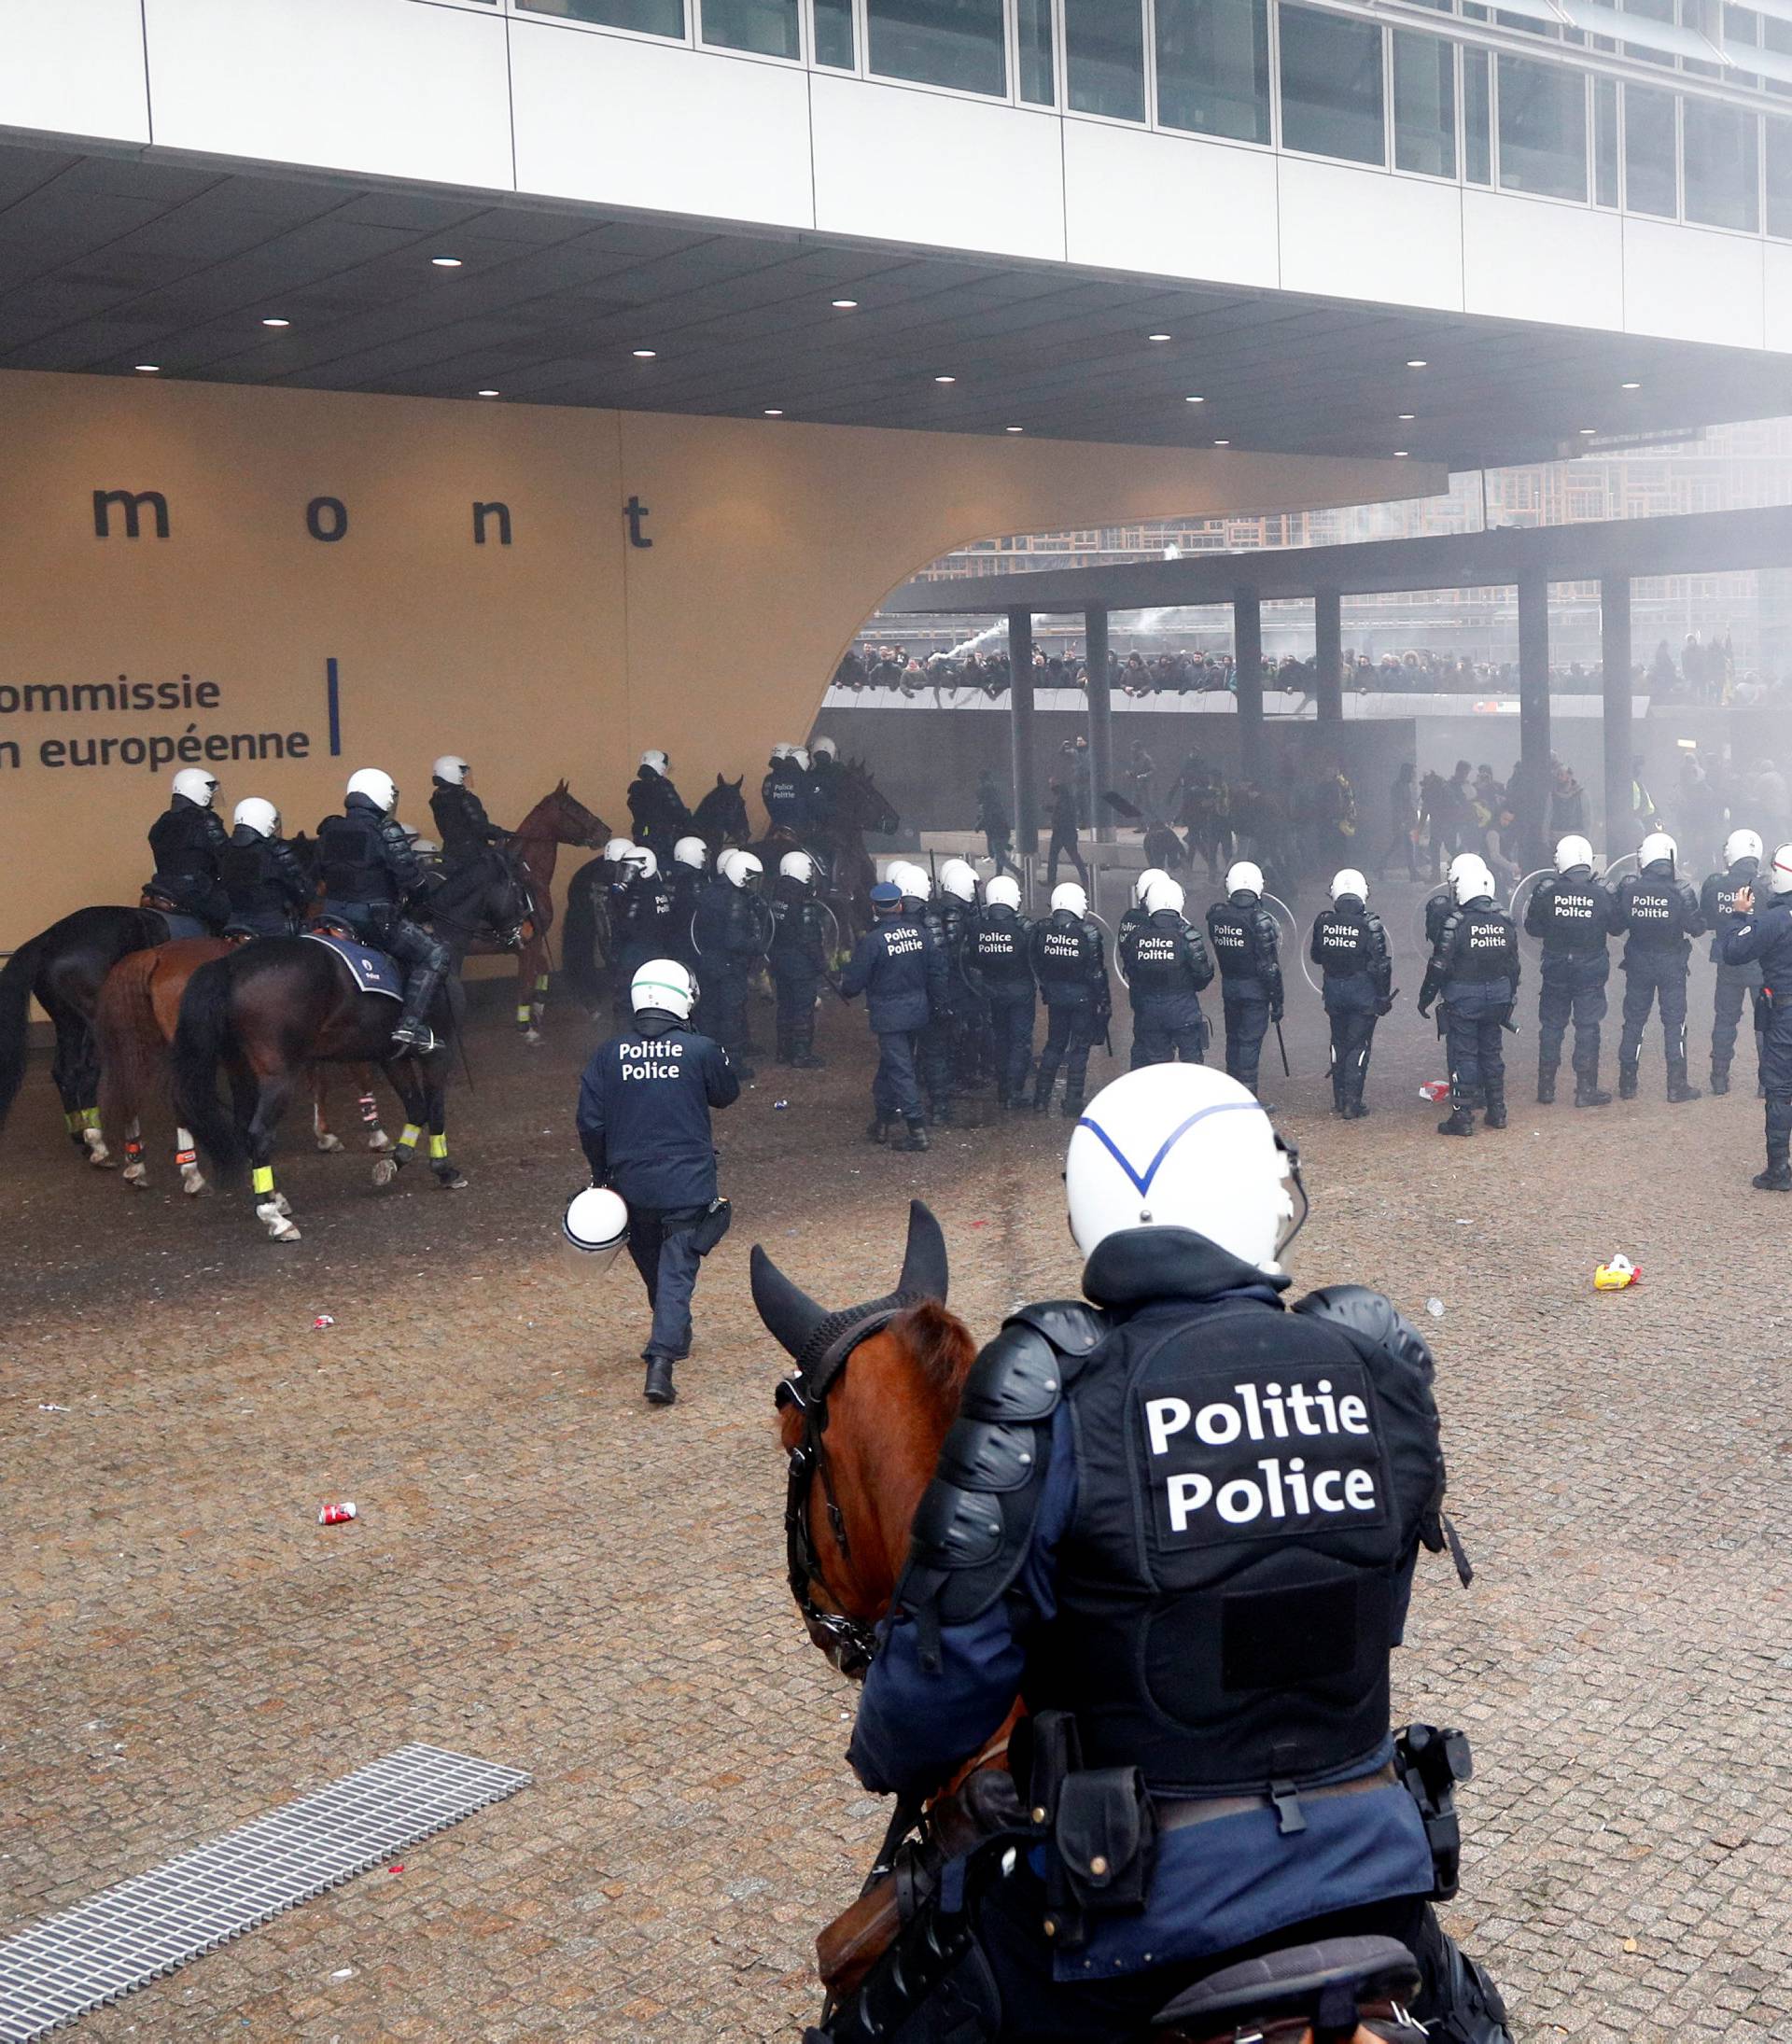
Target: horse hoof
(279,1228)
(137,1175)
(532,1037)
(329,1145)
(386,1170)
(281,1205)
(192,1181)
(450,1179)
(379,1140)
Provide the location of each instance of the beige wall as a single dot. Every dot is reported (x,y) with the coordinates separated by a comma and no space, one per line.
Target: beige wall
(564,653)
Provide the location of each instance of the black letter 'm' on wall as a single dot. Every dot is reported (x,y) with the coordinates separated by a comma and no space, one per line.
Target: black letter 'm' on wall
(131,505)
(330,509)
(501,512)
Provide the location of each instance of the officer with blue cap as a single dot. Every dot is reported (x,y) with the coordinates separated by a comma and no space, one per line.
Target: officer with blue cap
(900,971)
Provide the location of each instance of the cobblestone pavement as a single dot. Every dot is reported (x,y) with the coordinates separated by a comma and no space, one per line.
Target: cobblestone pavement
(548,1573)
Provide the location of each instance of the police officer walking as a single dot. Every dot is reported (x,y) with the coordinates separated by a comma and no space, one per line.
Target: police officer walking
(898,968)
(1660,913)
(1194,1553)
(1350,946)
(269,891)
(644,1107)
(372,874)
(461,822)
(655,806)
(1070,964)
(1476,967)
(689,859)
(799,958)
(1166,967)
(1572,914)
(1763,937)
(938,1044)
(729,931)
(1247,944)
(998,951)
(187,840)
(970,1025)
(1736,983)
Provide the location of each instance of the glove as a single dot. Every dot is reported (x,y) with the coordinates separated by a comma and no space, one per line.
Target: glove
(1424,1009)
(1275,1013)
(1385,1007)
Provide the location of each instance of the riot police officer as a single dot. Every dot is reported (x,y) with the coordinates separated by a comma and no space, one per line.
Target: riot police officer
(1194,1551)
(729,931)
(999,953)
(799,958)
(268,889)
(655,806)
(1441,904)
(1660,914)
(1247,944)
(958,908)
(898,968)
(1736,983)
(689,858)
(187,840)
(785,792)
(644,1105)
(1476,968)
(1572,914)
(641,924)
(938,1039)
(825,777)
(1135,913)
(461,822)
(1350,946)
(1166,965)
(372,874)
(1763,937)
(1070,964)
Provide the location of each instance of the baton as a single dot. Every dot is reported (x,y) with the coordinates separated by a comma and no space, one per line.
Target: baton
(1282,1047)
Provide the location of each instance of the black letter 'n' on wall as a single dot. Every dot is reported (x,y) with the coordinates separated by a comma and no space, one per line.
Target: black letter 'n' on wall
(501,512)
(132,504)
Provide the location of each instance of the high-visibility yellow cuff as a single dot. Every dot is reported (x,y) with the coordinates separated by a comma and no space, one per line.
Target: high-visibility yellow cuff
(261,1178)
(439,1146)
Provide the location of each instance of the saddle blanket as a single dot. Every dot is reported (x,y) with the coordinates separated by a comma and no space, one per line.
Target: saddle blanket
(372,970)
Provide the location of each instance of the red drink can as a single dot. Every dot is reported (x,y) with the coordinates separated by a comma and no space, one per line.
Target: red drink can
(335,1515)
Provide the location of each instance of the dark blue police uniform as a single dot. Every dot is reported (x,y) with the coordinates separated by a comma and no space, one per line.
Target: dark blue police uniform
(1247,948)
(1660,915)
(188,841)
(1071,966)
(1736,983)
(1350,946)
(902,973)
(1572,915)
(1167,967)
(995,948)
(269,891)
(728,927)
(1764,938)
(1476,968)
(785,792)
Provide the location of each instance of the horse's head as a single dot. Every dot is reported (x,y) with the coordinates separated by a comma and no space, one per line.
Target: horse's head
(867,806)
(565,819)
(861,1443)
(720,817)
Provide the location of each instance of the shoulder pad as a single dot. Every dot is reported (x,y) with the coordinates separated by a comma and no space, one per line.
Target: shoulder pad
(1370,1318)
(1072,1326)
(956,1528)
(1018,1377)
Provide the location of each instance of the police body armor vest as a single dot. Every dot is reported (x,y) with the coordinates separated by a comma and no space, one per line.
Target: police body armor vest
(1719,905)
(1159,961)
(250,878)
(348,848)
(1229,930)
(1572,916)
(184,842)
(999,946)
(1343,943)
(1064,954)
(1655,910)
(1485,945)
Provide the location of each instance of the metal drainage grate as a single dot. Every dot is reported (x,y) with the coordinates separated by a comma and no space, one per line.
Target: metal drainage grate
(131,1934)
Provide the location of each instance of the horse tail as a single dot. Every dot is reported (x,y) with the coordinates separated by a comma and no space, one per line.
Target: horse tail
(133,1055)
(201,1038)
(14,1018)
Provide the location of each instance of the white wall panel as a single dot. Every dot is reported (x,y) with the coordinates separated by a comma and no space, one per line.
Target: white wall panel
(925,167)
(1348,233)
(642,124)
(1524,258)
(1689,285)
(74,68)
(1776,293)
(371,85)
(1169,205)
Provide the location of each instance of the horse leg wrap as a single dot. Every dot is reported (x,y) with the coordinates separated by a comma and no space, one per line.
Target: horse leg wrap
(261,1180)
(407,1141)
(525,1014)
(134,1149)
(74,1122)
(90,1118)
(369,1111)
(438,1147)
(185,1158)
(541,985)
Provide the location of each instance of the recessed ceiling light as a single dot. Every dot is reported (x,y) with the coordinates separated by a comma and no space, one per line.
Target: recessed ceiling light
(844,304)
(773,413)
(277,322)
(1418,363)
(645,355)
(1587,431)
(1222,443)
(489,393)
(1629,387)
(1407,417)
(445,262)
(1013,428)
(1193,400)
(1400,454)
(149,368)
(945,379)
(1156,337)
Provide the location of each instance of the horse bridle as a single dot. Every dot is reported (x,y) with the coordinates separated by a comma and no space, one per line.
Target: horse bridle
(519,931)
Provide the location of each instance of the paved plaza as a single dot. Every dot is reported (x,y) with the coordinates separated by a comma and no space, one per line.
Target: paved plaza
(548,1574)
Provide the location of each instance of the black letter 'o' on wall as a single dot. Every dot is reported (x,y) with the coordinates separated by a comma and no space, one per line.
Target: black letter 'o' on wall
(326,518)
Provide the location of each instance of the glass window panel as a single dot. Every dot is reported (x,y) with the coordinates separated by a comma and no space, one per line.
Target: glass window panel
(1331,86)
(1213,67)
(651,17)
(1424,104)
(1777,35)
(1648,152)
(767,26)
(1034,28)
(938,42)
(834,33)
(1721,147)
(1654,10)
(1779,177)
(1477,143)
(1104,57)
(1542,128)
(1605,141)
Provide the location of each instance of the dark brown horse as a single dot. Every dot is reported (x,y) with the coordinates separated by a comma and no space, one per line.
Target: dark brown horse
(860,808)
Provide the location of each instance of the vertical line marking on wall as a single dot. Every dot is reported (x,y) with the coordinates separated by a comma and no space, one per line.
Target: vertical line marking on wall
(333,696)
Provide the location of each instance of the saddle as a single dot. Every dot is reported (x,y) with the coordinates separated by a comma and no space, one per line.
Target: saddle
(372,970)
(1337,1991)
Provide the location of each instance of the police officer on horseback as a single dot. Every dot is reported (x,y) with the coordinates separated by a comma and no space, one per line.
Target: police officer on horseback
(826,774)
(1247,946)
(371,877)
(268,889)
(785,791)
(1180,1523)
(657,808)
(187,840)
(461,822)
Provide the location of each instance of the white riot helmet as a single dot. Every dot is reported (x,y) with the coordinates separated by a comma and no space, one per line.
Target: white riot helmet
(638,859)
(1779,877)
(1164,893)
(1004,891)
(1657,844)
(452,768)
(618,849)
(1143,881)
(798,755)
(739,867)
(261,816)
(1742,845)
(691,851)
(1180,1146)
(657,761)
(825,749)
(1575,851)
(959,878)
(1348,884)
(1472,881)
(1071,896)
(380,789)
(197,785)
(595,1227)
(1243,878)
(915,881)
(797,866)
(1455,866)
(665,984)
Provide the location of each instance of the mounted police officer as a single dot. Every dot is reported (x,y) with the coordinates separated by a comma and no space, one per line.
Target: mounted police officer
(1247,944)
(187,840)
(1180,1523)
(1070,964)
(970,1027)
(826,774)
(729,931)
(1736,983)
(461,823)
(799,958)
(998,959)
(1763,937)
(1350,946)
(785,791)
(1572,914)
(372,874)
(1660,914)
(685,877)
(268,889)
(1476,967)
(937,1046)
(899,969)
(655,806)
(644,1106)
(1166,965)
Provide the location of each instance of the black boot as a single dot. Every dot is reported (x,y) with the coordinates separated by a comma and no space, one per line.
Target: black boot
(1626,1082)
(915,1141)
(803,1045)
(659,1389)
(786,1052)
(1356,1109)
(1776,1178)
(1547,1083)
(1778,1174)
(1678,1090)
(877,1129)
(1070,1106)
(1720,1081)
(1589,1093)
(414,1033)
(1460,1121)
(1496,1115)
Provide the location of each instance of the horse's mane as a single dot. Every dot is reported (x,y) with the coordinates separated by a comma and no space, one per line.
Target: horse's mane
(939,1344)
